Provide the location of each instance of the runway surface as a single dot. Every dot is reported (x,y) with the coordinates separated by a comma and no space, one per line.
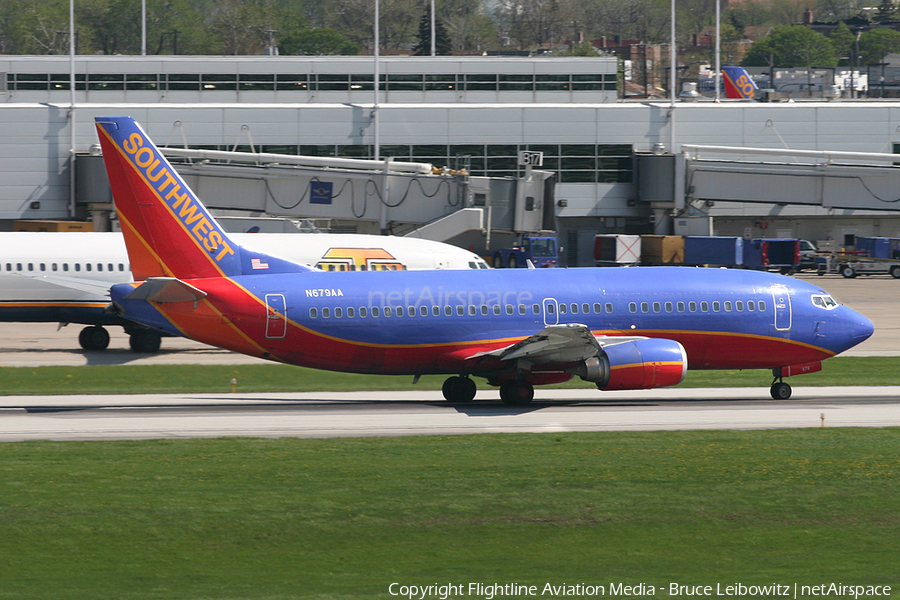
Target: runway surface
(322,415)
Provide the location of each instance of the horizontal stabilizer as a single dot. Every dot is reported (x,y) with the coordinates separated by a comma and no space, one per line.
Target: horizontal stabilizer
(166,290)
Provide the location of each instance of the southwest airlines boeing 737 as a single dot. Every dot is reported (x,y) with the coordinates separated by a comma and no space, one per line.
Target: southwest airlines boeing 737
(627,328)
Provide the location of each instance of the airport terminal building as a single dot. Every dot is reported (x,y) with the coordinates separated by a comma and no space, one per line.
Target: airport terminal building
(617,166)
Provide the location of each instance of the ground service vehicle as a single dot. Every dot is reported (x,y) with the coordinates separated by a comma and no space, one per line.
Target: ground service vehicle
(541,251)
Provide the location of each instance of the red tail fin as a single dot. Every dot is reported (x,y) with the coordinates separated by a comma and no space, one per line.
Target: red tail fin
(168,231)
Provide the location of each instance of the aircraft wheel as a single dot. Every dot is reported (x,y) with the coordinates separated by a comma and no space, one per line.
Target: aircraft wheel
(780,391)
(458,389)
(895,272)
(848,272)
(517,393)
(145,341)
(94,338)
(513,262)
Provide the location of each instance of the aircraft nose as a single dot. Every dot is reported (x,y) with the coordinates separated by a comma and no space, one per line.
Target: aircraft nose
(861,328)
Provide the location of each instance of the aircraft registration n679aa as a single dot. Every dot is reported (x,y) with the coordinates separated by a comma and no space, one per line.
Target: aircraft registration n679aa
(626,328)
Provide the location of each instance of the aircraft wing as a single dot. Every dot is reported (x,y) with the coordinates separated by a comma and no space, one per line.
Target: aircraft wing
(166,289)
(571,342)
(91,286)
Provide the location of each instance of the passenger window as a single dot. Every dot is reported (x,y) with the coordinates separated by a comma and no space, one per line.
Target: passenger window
(460,310)
(727,306)
(31,266)
(53,266)
(109,267)
(448,311)
(376,312)
(609,307)
(121,267)
(536,309)
(585,308)
(632,307)
(597,308)
(338,313)
(692,306)
(99,266)
(522,309)
(18,266)
(326,312)
(313,313)
(645,307)
(496,309)
(762,306)
(399,311)
(716,306)
(77,266)
(87,266)
(351,312)
(680,306)
(574,308)
(65,266)
(388,312)
(436,310)
(668,307)
(363,312)
(739,306)
(551,309)
(509,309)
(472,310)
(751,305)
(423,311)
(484,309)
(704,306)
(43,267)
(562,309)
(9,266)
(657,307)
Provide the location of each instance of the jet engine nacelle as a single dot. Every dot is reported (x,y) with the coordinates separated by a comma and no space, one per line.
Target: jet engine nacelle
(636,365)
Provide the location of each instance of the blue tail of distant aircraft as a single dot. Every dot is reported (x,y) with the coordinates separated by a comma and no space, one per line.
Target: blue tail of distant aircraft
(738,84)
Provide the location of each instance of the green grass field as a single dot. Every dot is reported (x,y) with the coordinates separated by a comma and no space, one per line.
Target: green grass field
(345,518)
(282,378)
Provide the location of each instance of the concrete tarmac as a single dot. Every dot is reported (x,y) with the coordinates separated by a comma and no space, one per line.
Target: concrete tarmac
(356,414)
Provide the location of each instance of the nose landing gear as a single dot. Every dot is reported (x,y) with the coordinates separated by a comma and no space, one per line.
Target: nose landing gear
(779,390)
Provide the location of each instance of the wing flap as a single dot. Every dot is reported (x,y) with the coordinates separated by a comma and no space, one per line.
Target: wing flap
(554,344)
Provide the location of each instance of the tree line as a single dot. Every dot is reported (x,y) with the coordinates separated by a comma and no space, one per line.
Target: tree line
(314,27)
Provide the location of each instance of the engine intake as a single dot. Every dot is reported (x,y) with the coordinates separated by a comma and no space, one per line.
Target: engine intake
(640,365)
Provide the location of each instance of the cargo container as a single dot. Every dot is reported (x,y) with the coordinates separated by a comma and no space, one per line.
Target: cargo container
(782,254)
(879,247)
(617,250)
(41,225)
(662,249)
(714,250)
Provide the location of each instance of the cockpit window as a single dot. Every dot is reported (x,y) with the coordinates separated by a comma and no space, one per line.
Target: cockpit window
(824,301)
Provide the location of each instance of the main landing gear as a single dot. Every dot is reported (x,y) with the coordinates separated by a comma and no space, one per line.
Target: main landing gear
(96,337)
(458,389)
(516,393)
(461,389)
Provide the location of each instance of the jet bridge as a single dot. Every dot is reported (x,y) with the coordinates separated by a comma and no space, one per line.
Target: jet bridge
(368,196)
(839,180)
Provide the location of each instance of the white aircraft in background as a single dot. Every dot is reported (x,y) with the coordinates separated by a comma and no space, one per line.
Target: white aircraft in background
(65,277)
